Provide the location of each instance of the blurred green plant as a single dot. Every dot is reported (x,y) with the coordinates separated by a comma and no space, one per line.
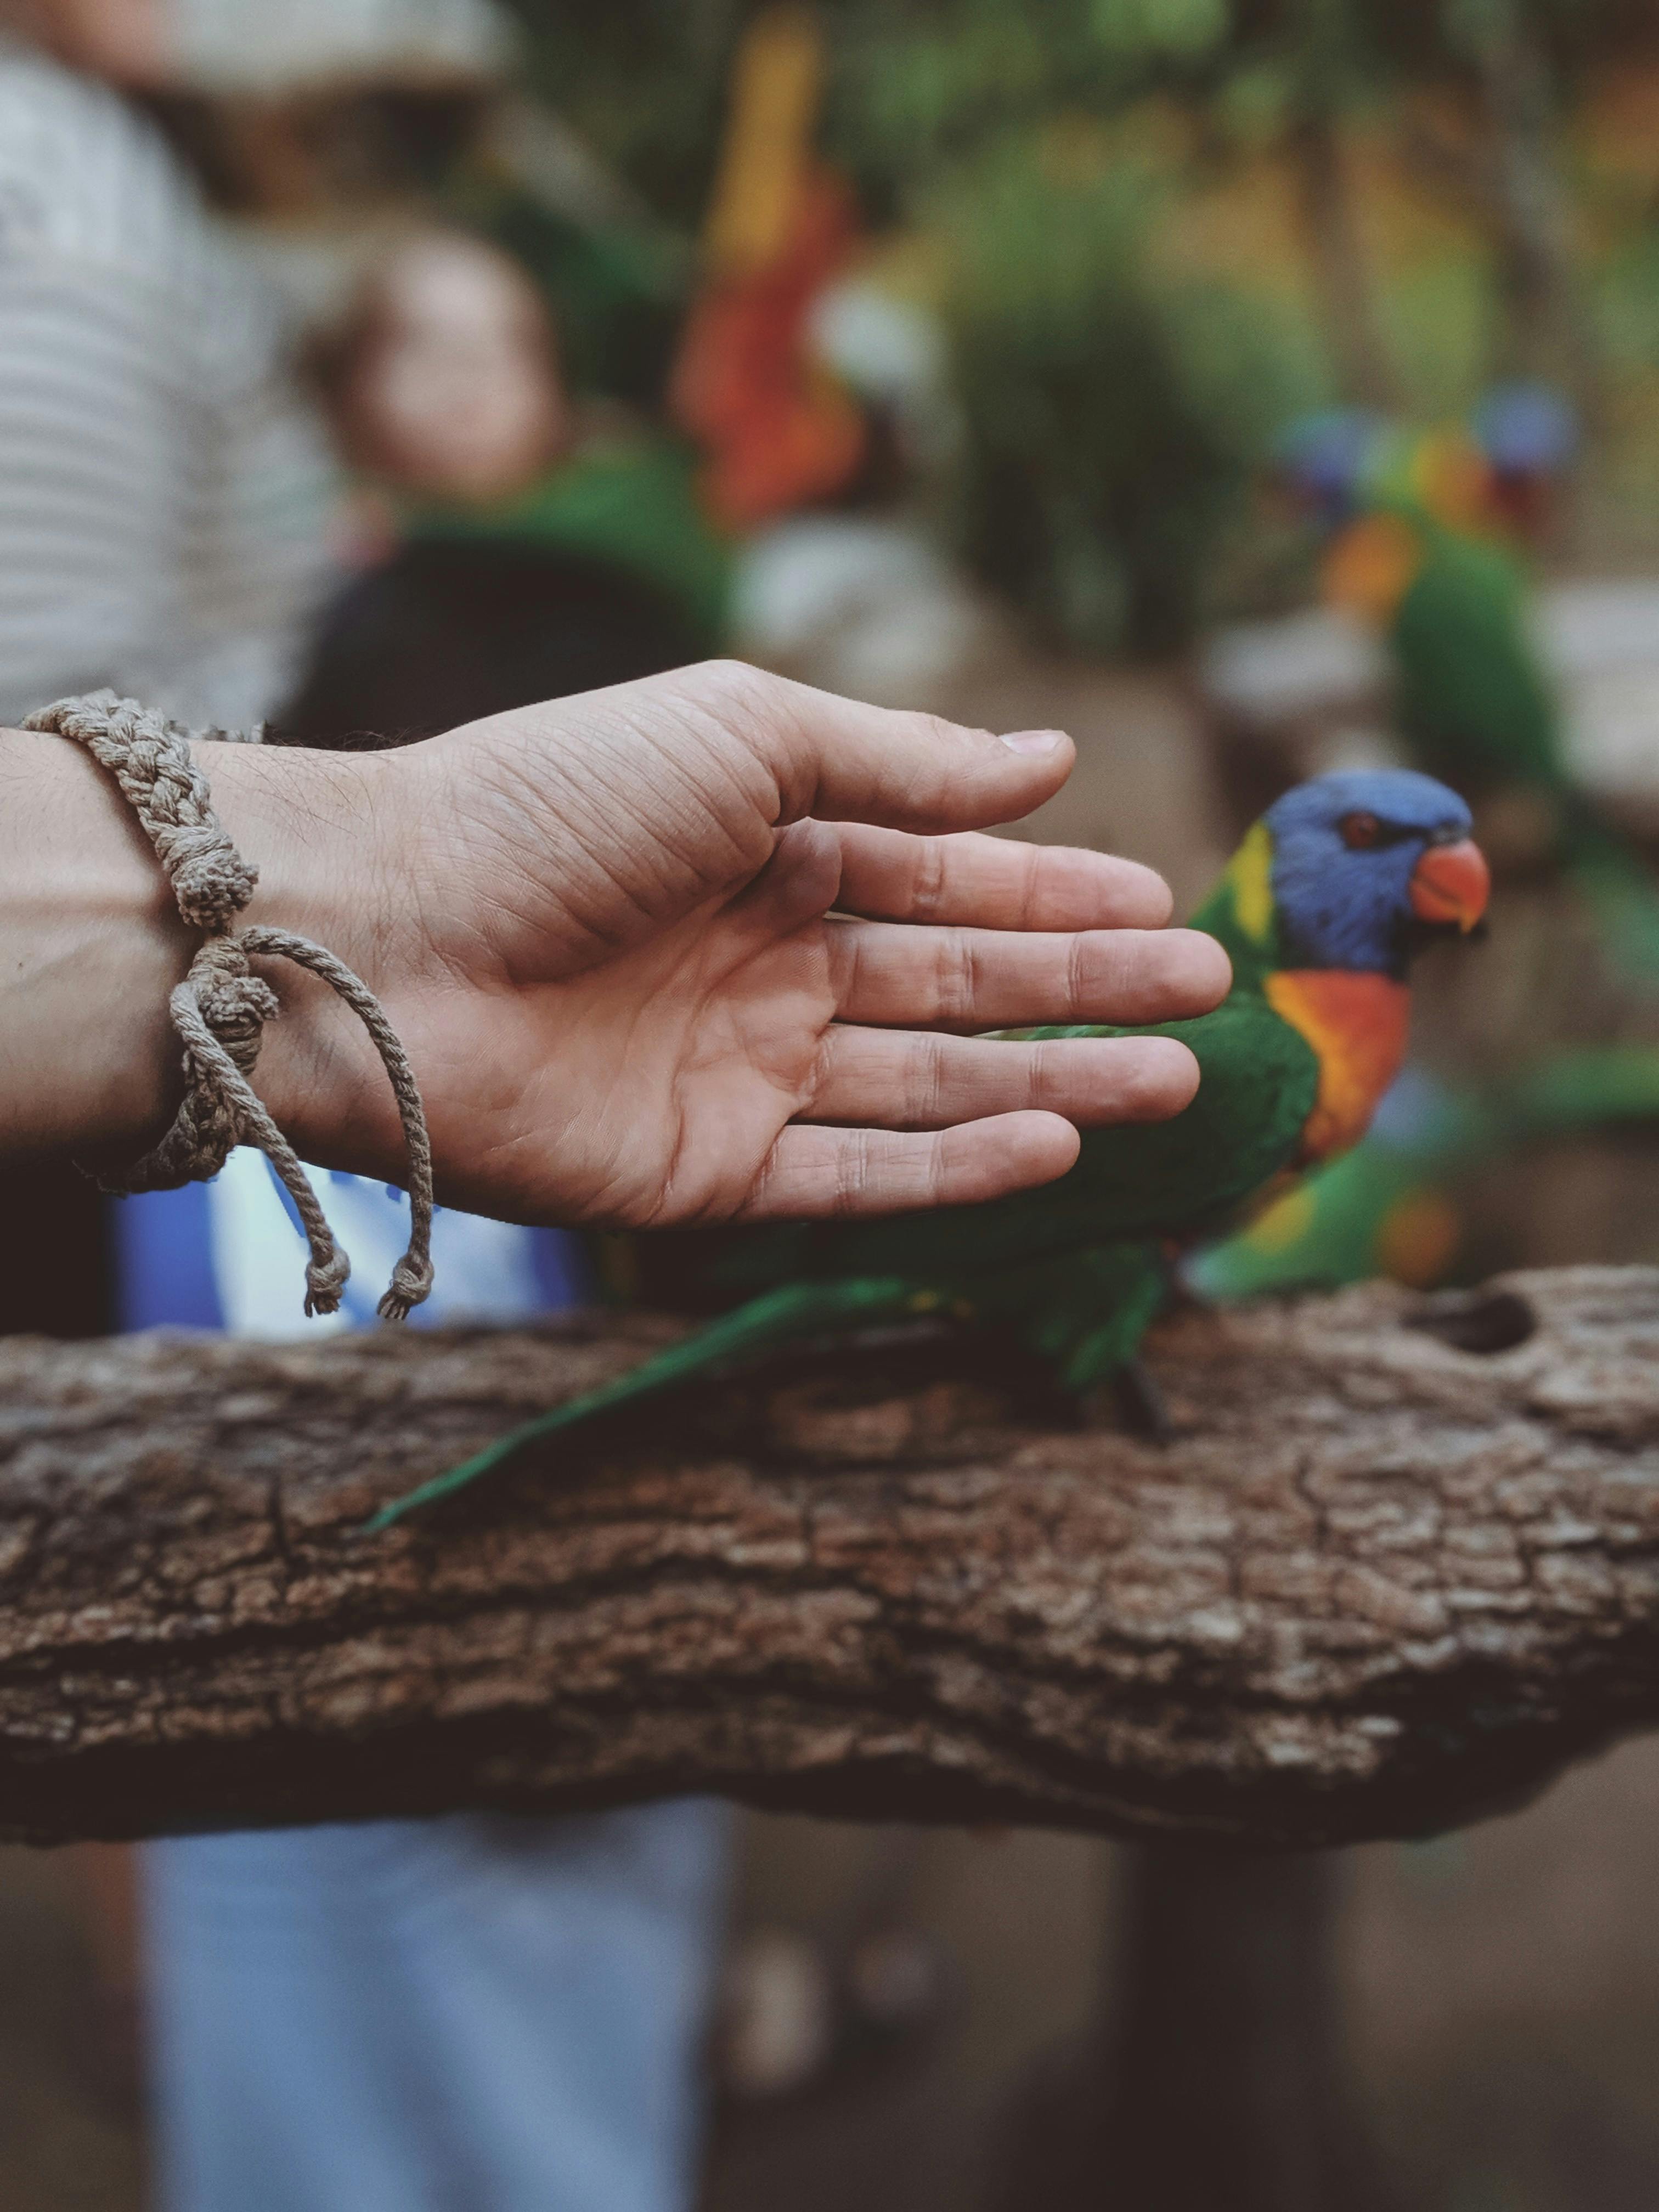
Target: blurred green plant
(644,82)
(1114,412)
(1140,28)
(922,82)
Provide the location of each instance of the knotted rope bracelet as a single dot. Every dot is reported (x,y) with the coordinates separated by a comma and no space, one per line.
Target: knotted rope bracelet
(220,1008)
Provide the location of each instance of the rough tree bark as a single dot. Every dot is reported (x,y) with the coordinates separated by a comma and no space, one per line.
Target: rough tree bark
(1383,1580)
(1508,170)
(1329,82)
(1339,266)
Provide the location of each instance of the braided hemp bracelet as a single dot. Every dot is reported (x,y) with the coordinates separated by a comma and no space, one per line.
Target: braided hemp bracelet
(222,1007)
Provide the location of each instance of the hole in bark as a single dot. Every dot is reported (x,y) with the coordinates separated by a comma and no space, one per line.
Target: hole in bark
(1482,1321)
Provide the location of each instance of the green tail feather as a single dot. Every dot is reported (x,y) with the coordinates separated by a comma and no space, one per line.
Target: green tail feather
(797,1311)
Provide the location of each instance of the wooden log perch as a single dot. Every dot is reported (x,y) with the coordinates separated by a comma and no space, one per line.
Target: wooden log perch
(1385,1578)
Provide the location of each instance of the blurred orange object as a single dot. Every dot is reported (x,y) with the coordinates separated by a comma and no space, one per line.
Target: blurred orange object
(1452,479)
(779,429)
(1370,565)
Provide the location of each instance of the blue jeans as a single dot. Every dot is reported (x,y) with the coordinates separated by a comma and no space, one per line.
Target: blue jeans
(458,2015)
(470,2015)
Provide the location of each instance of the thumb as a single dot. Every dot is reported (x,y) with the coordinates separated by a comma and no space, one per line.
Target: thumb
(843,760)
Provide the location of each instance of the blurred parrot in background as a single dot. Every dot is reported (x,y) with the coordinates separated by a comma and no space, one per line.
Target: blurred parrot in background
(1321,910)
(1428,542)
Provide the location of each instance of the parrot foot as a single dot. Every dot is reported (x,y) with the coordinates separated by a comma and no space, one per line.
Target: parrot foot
(1142,1409)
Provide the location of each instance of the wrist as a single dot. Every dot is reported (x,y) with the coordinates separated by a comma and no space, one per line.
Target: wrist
(309,822)
(328,836)
(94,944)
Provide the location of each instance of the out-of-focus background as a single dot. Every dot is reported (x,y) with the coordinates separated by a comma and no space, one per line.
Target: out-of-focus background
(1248,387)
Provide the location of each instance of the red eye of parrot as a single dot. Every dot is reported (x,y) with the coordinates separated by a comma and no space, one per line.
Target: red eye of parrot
(1360,831)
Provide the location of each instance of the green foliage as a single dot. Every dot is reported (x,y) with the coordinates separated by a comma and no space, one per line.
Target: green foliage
(920,84)
(917,82)
(644,82)
(1114,414)
(1140,28)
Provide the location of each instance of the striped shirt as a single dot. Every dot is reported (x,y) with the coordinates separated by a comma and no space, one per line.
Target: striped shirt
(163,496)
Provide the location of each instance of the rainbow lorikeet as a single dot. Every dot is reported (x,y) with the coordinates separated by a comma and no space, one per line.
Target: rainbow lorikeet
(1423,557)
(1321,910)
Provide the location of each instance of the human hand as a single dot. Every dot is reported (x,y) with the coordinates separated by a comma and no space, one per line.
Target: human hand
(706,947)
(603,928)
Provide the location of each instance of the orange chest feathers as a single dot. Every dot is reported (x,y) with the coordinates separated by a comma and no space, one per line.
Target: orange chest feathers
(1357,1026)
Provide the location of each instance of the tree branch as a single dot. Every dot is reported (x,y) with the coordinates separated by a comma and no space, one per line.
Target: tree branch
(1376,1584)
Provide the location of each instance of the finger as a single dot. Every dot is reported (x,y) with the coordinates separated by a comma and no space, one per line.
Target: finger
(980,979)
(813,1172)
(997,883)
(799,883)
(843,761)
(905,1080)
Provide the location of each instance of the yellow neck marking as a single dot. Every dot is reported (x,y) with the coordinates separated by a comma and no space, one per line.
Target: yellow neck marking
(1249,878)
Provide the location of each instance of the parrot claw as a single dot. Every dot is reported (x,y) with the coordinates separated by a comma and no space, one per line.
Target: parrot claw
(1142,1409)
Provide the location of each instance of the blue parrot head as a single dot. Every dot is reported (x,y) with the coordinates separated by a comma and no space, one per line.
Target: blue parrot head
(1324,460)
(1366,863)
(1527,428)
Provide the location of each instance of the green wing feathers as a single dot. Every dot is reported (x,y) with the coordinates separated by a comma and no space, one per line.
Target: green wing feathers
(1075,1267)
(1479,707)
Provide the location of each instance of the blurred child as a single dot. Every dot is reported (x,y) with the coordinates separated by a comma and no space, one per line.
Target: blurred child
(519,545)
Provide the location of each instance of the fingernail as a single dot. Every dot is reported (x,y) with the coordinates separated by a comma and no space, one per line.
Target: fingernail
(1031,741)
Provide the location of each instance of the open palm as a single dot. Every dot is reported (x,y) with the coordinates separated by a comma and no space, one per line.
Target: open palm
(713,947)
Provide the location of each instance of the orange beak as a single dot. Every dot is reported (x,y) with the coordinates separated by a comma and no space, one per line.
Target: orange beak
(1451,883)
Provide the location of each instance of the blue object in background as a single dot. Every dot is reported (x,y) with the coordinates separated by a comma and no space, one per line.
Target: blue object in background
(1326,459)
(468,2014)
(1526,426)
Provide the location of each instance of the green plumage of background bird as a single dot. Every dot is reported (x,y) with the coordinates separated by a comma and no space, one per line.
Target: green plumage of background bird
(1393,1206)
(1320,910)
